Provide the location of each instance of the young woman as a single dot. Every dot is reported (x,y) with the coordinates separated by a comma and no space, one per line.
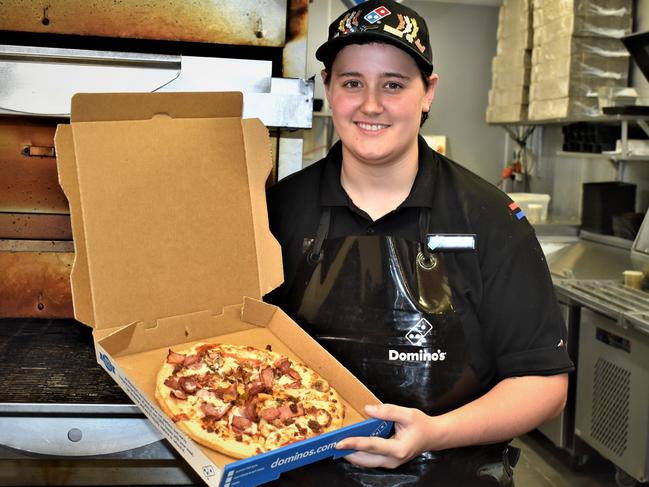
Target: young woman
(415,274)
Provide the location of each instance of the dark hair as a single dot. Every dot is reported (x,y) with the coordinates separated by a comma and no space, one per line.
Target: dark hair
(329,62)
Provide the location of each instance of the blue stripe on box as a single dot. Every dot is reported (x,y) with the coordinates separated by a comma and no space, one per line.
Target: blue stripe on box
(263,468)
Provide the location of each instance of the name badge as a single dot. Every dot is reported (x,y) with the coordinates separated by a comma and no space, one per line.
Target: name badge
(448,242)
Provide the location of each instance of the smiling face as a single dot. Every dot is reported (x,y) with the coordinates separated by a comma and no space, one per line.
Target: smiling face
(377,94)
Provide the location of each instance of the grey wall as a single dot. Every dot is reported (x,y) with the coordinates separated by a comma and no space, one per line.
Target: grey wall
(463,38)
(464,42)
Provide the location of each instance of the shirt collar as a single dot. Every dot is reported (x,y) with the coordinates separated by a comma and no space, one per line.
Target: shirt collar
(333,194)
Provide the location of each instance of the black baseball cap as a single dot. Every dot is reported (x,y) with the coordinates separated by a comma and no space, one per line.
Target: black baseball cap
(382,21)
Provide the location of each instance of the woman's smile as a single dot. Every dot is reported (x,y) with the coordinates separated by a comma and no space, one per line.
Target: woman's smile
(373,128)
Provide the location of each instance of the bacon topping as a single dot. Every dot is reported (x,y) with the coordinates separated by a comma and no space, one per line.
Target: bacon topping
(203,349)
(190,360)
(240,423)
(180,417)
(287,411)
(250,411)
(214,412)
(267,376)
(175,358)
(283,364)
(172,382)
(205,395)
(178,394)
(296,384)
(188,384)
(227,393)
(255,388)
(269,414)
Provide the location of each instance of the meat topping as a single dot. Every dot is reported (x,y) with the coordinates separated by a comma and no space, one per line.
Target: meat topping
(287,411)
(283,364)
(240,423)
(205,395)
(214,412)
(177,393)
(255,388)
(269,414)
(190,360)
(296,384)
(314,425)
(188,384)
(175,358)
(227,393)
(172,382)
(267,376)
(250,411)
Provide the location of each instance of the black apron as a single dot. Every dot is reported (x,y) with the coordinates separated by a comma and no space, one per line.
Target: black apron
(383,307)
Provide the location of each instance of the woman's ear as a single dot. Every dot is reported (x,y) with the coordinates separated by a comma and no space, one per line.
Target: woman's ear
(324,76)
(430,91)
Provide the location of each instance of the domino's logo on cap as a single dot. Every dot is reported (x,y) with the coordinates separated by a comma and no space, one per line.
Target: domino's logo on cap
(377,14)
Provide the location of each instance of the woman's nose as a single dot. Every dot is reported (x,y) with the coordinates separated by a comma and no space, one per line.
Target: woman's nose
(371,102)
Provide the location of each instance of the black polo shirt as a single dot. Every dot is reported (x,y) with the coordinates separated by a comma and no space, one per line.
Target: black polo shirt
(502,291)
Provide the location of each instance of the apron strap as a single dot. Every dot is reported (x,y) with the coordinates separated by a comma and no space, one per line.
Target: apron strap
(424,225)
(315,254)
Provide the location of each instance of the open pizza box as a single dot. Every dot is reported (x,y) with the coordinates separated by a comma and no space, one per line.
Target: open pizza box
(167,196)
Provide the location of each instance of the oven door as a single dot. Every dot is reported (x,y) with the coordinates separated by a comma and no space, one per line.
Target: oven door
(64,421)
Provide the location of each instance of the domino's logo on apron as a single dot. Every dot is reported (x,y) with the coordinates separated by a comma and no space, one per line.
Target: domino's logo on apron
(417,337)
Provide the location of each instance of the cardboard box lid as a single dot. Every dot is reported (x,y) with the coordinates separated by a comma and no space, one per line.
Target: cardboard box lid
(167,196)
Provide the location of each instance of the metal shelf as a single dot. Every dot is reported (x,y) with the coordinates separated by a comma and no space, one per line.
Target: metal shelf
(623,155)
(603,155)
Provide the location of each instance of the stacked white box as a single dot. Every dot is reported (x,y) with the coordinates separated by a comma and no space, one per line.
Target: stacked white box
(508,96)
(576,51)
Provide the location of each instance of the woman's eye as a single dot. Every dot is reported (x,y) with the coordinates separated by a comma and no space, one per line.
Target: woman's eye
(392,85)
(352,83)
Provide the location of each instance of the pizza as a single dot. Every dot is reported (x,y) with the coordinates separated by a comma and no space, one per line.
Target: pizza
(242,401)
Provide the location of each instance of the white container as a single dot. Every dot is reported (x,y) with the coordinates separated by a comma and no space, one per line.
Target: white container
(524,200)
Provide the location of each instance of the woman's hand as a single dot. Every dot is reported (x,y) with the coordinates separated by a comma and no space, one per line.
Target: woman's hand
(514,406)
(412,433)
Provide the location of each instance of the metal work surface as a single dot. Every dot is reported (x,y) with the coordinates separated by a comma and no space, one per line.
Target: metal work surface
(52,361)
(629,307)
(589,258)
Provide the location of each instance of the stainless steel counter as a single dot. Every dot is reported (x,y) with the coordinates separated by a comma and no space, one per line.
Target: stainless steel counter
(590,256)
